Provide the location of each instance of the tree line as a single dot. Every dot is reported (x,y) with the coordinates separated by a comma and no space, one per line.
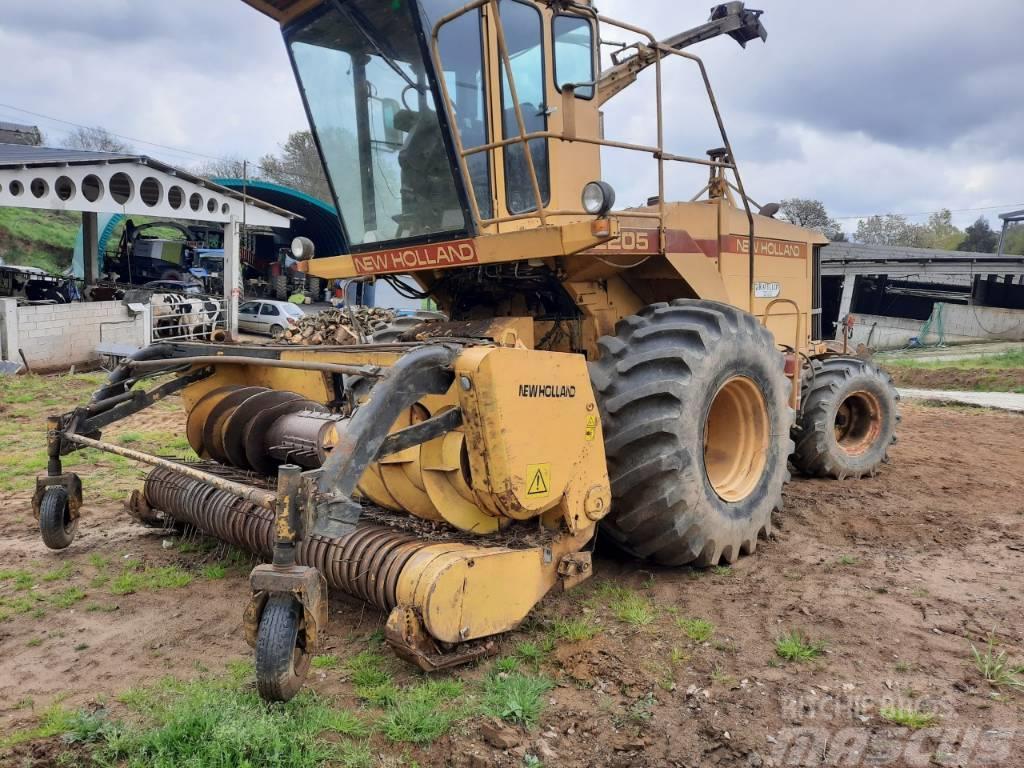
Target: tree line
(893,229)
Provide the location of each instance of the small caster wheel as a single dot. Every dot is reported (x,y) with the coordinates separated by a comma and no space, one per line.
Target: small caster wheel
(282,660)
(56,525)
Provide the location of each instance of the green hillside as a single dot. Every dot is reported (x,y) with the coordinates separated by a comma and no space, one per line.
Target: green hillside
(46,239)
(32,238)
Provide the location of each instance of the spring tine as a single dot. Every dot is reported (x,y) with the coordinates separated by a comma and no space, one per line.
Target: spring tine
(366,563)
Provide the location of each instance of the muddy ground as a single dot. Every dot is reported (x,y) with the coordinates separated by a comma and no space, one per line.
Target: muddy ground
(896,575)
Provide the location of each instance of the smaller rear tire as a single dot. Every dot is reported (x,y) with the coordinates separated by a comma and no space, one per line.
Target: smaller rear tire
(56,525)
(276,331)
(282,660)
(848,417)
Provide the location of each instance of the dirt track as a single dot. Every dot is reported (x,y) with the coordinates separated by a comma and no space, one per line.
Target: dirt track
(897,574)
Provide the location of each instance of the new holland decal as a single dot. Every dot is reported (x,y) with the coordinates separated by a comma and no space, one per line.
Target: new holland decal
(456,253)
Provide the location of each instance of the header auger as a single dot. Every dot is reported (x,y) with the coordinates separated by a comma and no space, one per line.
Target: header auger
(652,370)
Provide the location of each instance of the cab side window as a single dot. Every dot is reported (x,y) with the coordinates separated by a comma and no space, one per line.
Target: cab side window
(574,53)
(524,37)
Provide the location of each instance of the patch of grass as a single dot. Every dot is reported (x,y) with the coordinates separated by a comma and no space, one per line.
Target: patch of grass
(507,664)
(795,646)
(908,718)
(423,713)
(127,438)
(633,609)
(35,642)
(98,561)
(24,580)
(847,560)
(325,661)
(67,597)
(222,723)
(1010,359)
(356,756)
(698,630)
(100,607)
(575,630)
(59,574)
(55,721)
(720,676)
(722,570)
(516,697)
(20,604)
(371,681)
(639,711)
(996,667)
(532,652)
(214,572)
(150,580)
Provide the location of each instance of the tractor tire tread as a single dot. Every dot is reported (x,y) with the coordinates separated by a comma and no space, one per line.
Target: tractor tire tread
(647,380)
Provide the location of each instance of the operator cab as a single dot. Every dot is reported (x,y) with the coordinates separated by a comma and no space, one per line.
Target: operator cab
(372,93)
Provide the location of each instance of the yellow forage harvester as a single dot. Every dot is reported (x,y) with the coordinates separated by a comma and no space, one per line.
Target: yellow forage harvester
(652,370)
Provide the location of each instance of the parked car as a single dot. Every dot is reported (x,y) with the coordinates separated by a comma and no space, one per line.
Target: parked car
(268,317)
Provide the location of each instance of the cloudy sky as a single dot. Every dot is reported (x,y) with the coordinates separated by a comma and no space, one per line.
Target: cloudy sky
(870,106)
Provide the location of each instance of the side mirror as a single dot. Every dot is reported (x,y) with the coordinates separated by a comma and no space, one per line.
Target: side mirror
(392,133)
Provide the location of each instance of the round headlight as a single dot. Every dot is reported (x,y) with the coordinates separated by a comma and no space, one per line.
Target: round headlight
(598,198)
(302,248)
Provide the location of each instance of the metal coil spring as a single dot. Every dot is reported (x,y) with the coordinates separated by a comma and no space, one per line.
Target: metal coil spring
(365,564)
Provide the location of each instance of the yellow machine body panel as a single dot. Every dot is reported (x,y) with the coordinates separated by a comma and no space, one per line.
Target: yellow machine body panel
(530,444)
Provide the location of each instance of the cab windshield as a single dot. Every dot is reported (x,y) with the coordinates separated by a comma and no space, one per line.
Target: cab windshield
(370,96)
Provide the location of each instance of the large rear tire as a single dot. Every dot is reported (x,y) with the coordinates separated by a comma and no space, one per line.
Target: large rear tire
(695,409)
(279,287)
(848,416)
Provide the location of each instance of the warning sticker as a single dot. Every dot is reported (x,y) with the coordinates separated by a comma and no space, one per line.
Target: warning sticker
(538,478)
(591,431)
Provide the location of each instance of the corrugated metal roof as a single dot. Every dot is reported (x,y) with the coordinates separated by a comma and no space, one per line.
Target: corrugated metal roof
(320,220)
(860,251)
(18,127)
(17,155)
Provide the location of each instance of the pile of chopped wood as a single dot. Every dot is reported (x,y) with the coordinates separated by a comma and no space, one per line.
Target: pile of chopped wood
(350,325)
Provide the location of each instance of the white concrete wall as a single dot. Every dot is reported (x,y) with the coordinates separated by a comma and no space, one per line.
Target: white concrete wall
(962,325)
(54,336)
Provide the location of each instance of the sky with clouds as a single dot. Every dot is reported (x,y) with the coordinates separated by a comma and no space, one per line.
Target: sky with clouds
(870,106)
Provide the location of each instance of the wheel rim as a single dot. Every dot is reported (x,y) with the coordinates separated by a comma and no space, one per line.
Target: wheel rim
(858,422)
(736,435)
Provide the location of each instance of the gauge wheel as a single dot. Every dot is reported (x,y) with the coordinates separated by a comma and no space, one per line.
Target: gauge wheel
(282,660)
(56,525)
